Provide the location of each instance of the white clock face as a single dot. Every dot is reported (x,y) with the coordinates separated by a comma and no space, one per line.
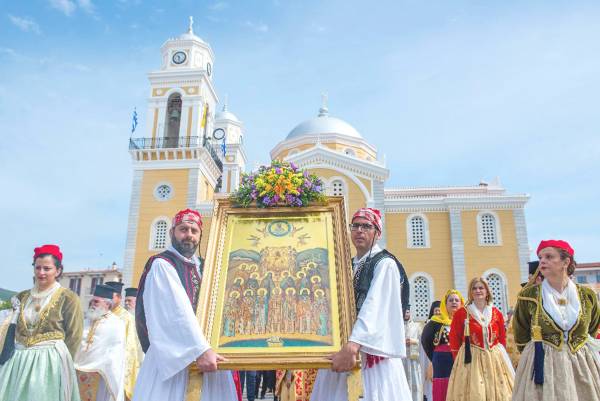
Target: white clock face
(179,57)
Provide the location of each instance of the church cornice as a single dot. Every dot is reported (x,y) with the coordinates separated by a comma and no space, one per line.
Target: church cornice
(179,78)
(321,138)
(177,159)
(412,204)
(325,157)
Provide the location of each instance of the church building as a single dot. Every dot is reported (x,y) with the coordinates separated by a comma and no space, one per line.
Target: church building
(194,148)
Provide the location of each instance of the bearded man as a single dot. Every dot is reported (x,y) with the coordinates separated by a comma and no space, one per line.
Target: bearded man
(131,349)
(167,325)
(381,296)
(130,296)
(100,361)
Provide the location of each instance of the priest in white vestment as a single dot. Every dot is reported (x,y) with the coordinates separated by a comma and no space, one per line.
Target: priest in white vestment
(412,364)
(378,333)
(167,325)
(101,349)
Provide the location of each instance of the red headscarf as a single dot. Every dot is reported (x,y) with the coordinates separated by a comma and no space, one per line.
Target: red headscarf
(53,250)
(370,214)
(556,243)
(188,216)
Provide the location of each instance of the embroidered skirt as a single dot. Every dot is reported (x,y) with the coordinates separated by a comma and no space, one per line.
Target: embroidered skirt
(487,378)
(567,376)
(43,372)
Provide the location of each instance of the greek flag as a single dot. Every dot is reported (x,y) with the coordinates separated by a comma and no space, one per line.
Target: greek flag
(223,147)
(134,121)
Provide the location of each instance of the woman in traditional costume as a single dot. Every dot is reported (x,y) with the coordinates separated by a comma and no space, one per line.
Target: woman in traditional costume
(554,323)
(436,343)
(426,369)
(49,325)
(482,370)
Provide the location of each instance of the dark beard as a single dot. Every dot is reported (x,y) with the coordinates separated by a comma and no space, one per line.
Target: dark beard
(184,248)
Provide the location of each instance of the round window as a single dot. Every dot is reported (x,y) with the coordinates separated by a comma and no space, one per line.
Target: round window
(163,192)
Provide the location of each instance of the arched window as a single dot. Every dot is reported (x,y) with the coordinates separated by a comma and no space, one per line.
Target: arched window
(498,289)
(421,298)
(488,228)
(417,231)
(172,121)
(349,152)
(159,237)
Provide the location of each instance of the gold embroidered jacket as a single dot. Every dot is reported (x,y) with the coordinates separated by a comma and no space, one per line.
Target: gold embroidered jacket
(60,319)
(529,307)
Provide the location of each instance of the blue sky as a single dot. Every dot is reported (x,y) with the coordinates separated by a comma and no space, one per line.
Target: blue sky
(453,92)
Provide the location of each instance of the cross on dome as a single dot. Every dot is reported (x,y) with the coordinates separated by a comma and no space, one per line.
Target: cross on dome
(324,110)
(191,27)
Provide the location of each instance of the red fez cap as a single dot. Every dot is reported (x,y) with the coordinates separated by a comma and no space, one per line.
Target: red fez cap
(53,250)
(189,216)
(370,214)
(556,243)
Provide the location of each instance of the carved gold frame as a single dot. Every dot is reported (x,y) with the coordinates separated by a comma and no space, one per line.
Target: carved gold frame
(212,277)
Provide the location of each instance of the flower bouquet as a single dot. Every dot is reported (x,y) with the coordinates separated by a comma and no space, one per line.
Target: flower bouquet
(280,184)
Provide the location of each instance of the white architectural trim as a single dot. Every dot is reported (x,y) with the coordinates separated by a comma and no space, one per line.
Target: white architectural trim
(153,233)
(409,231)
(497,227)
(347,174)
(329,183)
(321,138)
(445,203)
(458,251)
(322,155)
(522,242)
(132,227)
(193,187)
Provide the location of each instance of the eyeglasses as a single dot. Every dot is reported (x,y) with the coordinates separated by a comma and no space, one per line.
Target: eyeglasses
(361,227)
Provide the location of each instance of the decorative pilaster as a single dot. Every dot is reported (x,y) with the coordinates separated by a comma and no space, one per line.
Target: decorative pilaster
(132,224)
(378,202)
(458,251)
(522,242)
(192,195)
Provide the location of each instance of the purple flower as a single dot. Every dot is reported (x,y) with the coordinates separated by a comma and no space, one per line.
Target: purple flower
(276,198)
(308,184)
(266,200)
(278,170)
(253,194)
(289,199)
(317,188)
(293,167)
(305,174)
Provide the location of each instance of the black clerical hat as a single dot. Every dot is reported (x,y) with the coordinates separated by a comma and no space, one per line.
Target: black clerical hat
(533,266)
(116,285)
(104,291)
(131,292)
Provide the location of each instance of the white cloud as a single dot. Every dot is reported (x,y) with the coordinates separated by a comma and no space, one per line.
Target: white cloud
(25,24)
(257,26)
(67,7)
(218,6)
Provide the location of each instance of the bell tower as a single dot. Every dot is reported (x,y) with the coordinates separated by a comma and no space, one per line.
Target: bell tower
(177,164)
(229,133)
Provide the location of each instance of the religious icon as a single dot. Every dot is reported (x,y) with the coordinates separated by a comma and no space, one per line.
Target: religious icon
(276,289)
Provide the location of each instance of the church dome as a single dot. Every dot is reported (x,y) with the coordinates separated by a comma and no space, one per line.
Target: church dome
(225,114)
(324,124)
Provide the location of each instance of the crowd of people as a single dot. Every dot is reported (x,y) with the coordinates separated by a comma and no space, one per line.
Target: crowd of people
(140,347)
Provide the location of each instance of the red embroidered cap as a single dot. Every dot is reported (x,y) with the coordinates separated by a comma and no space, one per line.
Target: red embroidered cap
(370,214)
(556,243)
(53,250)
(188,216)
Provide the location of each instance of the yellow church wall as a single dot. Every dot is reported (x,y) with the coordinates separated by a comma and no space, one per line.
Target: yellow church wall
(435,260)
(503,257)
(151,208)
(354,198)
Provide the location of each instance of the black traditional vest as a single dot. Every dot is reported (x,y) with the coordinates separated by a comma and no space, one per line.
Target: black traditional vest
(190,280)
(364,275)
